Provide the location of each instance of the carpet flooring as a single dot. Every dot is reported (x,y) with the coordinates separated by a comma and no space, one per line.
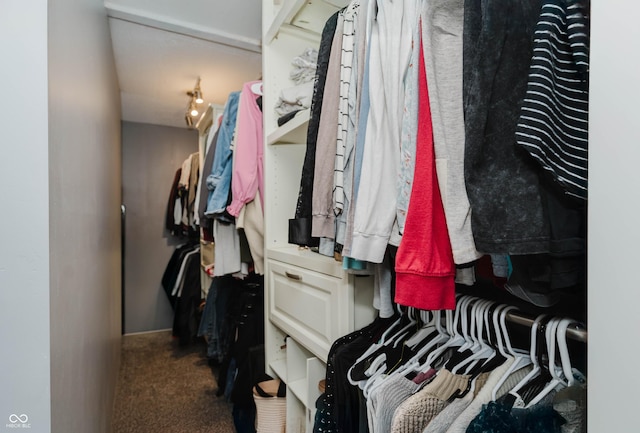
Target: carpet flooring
(164,388)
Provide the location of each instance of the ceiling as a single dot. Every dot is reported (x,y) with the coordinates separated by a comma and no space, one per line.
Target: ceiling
(161,47)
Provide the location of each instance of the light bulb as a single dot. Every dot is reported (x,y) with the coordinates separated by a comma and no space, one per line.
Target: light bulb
(198,95)
(194,112)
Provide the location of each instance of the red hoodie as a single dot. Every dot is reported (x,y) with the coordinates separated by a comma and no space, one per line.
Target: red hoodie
(425,271)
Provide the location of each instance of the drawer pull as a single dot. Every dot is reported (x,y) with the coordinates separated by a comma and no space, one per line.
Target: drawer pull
(293,276)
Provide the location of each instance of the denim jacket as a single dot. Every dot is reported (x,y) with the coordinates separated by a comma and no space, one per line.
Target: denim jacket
(219,180)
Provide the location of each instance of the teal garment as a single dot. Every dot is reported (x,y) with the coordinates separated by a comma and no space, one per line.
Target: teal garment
(352,264)
(498,417)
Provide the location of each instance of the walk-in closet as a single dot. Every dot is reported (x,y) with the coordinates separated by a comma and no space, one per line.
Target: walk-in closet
(305,216)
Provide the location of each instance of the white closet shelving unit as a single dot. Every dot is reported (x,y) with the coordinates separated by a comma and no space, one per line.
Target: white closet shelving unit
(310,300)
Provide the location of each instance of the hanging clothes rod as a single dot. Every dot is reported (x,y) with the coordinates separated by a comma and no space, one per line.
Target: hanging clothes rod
(576,331)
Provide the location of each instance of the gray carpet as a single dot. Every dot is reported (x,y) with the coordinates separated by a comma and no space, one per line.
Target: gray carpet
(163,388)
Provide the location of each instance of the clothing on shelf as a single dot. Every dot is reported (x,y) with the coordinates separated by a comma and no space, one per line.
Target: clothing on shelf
(298,97)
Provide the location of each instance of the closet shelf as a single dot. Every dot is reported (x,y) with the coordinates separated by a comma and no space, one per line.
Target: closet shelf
(307,259)
(299,389)
(279,367)
(294,131)
(303,14)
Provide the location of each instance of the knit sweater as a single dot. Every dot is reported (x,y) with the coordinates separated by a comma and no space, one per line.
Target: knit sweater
(419,409)
(483,397)
(443,420)
(384,400)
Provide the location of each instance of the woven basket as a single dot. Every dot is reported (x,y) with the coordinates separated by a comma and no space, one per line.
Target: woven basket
(271,406)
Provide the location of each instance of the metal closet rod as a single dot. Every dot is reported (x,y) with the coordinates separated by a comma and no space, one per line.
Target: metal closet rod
(575,331)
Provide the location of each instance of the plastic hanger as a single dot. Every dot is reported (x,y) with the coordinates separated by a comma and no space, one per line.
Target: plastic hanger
(395,355)
(456,339)
(562,376)
(481,350)
(533,356)
(555,373)
(441,335)
(538,383)
(564,352)
(428,327)
(374,358)
(467,328)
(522,358)
(438,335)
(391,328)
(256,88)
(487,358)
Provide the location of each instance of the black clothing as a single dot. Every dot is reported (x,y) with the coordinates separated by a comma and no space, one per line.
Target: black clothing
(187,318)
(301,225)
(502,181)
(173,269)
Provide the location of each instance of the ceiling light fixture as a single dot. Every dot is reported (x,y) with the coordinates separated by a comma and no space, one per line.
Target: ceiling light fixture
(197,92)
(192,108)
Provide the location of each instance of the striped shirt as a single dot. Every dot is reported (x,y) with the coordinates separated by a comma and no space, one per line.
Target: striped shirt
(346,64)
(553,123)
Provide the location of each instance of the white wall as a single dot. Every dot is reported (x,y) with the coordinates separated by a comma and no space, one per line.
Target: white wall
(614,222)
(85,198)
(24,225)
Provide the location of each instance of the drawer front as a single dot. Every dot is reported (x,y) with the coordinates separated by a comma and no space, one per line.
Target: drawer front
(311,307)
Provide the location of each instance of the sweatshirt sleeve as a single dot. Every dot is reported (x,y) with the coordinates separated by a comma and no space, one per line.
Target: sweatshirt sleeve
(246,179)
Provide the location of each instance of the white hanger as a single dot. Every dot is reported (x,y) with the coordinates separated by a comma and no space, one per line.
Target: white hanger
(551,335)
(378,366)
(469,333)
(481,350)
(455,339)
(392,327)
(564,352)
(522,358)
(414,363)
(256,88)
(532,354)
(428,327)
(384,339)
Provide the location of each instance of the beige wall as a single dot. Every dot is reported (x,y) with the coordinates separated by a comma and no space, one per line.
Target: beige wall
(84,212)
(151,154)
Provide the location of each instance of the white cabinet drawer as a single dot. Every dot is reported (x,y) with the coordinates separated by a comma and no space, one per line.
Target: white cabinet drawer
(313,308)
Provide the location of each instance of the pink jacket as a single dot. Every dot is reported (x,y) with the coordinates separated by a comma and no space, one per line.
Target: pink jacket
(247,178)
